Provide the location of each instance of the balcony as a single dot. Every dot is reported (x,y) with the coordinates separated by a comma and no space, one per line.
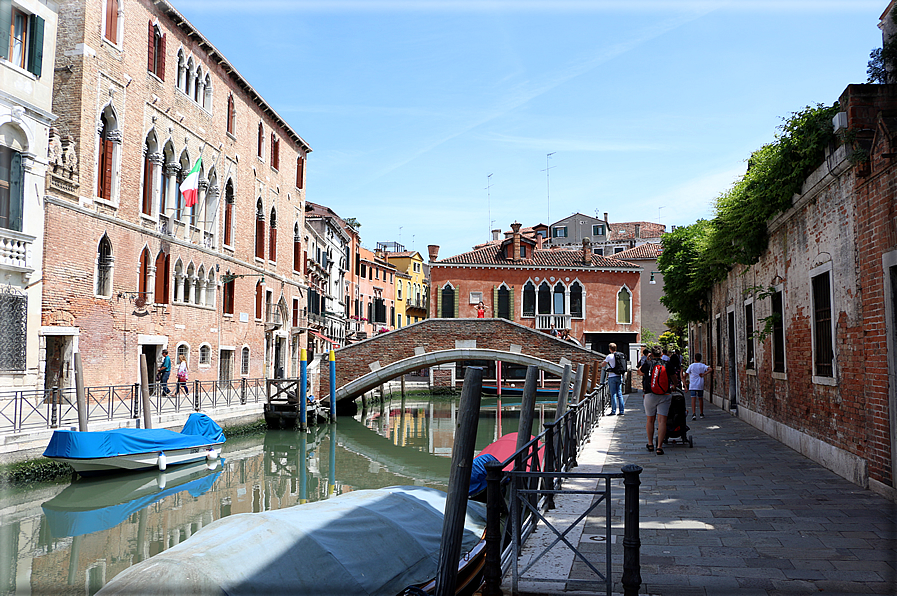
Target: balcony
(545,322)
(273,315)
(15,251)
(418,303)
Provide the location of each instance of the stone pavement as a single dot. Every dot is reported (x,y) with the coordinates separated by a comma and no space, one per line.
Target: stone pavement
(740,513)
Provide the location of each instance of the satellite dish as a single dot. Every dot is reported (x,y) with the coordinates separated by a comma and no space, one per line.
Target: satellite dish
(140,302)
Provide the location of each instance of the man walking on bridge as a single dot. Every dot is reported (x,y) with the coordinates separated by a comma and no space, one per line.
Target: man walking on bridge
(615,378)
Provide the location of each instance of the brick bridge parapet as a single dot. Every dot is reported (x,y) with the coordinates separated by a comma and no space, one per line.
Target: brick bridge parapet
(469,338)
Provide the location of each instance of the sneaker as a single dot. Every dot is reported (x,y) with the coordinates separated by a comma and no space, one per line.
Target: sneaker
(622,412)
(693,417)
(702,415)
(612,414)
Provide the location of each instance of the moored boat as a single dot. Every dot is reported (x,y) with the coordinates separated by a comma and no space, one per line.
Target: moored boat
(377,542)
(124,449)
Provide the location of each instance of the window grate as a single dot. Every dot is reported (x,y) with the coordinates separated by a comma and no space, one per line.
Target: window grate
(13,321)
(823,355)
(778,333)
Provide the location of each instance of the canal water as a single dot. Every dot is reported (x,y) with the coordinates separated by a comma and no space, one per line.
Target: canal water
(73,537)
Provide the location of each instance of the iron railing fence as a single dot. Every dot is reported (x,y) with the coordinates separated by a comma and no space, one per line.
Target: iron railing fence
(540,468)
(31,410)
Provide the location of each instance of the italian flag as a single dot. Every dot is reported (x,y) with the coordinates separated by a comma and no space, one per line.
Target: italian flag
(190,185)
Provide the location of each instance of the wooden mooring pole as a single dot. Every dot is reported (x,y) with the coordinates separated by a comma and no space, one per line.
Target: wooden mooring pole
(79,394)
(144,393)
(459,482)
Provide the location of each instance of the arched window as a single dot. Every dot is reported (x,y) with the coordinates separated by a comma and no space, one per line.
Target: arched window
(167,165)
(106,166)
(182,71)
(205,355)
(258,300)
(544,299)
(144,278)
(244,361)
(12,195)
(272,237)
(103,286)
(529,300)
(231,114)
(559,292)
(504,303)
(227,298)
(300,172)
(163,264)
(259,230)
(178,281)
(229,213)
(297,249)
(189,280)
(198,289)
(180,210)
(261,141)
(197,84)
(207,92)
(576,300)
(149,170)
(210,289)
(624,306)
(275,152)
(448,302)
(183,350)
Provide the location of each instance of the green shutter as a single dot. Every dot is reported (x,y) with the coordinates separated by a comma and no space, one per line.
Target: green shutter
(494,301)
(36,46)
(16,196)
(511,300)
(5,23)
(438,303)
(457,302)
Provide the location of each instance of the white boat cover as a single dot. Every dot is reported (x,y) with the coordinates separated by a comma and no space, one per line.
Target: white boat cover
(363,542)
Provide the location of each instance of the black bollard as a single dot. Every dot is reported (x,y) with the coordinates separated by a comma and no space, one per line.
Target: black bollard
(492,570)
(632,576)
(459,482)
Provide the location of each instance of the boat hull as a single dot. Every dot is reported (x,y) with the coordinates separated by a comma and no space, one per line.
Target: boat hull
(141,461)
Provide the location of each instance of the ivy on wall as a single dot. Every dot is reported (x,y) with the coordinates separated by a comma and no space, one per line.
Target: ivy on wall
(697,256)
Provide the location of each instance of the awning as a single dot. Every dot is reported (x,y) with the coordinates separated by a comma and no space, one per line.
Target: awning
(315,333)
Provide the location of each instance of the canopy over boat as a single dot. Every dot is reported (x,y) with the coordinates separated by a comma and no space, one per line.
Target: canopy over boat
(199,431)
(365,542)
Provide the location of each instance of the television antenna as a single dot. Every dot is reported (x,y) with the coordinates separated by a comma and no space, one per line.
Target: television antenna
(547,171)
(489,204)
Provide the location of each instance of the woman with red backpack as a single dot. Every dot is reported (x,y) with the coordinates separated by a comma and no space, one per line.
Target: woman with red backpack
(657,401)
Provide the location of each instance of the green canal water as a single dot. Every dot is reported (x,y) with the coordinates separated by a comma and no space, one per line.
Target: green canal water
(74,537)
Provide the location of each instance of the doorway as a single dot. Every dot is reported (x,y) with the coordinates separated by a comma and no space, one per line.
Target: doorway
(225,366)
(58,369)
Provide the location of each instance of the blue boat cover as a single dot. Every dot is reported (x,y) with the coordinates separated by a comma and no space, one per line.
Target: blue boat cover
(127,441)
(366,542)
(478,473)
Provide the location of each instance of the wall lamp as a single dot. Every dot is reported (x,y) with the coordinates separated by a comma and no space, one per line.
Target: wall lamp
(652,280)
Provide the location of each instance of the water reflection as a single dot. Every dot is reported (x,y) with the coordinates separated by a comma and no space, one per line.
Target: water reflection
(72,538)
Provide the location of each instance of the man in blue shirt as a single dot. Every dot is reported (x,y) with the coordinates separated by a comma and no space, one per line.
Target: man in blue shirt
(165,372)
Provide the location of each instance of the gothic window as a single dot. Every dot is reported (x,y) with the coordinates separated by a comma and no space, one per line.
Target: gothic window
(182,72)
(103,287)
(544,299)
(272,237)
(297,249)
(261,141)
(231,114)
(149,149)
(11,189)
(189,283)
(144,275)
(504,302)
(180,206)
(624,306)
(259,230)
(275,152)
(559,291)
(229,213)
(448,302)
(106,170)
(576,300)
(163,265)
(207,92)
(258,301)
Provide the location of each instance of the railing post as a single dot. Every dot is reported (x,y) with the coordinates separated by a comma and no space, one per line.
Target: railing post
(196,395)
(632,577)
(492,571)
(242,393)
(135,401)
(53,414)
(550,464)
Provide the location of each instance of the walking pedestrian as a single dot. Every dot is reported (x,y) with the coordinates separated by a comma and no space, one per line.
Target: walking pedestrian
(182,378)
(696,372)
(657,401)
(614,380)
(165,372)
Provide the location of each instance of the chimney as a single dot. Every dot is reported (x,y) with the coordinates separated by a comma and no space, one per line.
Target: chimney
(496,234)
(638,231)
(539,239)
(433,249)
(515,227)
(587,251)
(605,217)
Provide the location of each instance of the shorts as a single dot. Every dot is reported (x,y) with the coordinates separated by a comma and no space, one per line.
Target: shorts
(657,404)
(697,393)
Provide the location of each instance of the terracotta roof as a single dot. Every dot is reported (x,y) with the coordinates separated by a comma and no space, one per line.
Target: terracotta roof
(626,230)
(404,253)
(491,255)
(648,250)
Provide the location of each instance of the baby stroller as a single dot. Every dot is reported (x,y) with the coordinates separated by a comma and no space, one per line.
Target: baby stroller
(677,429)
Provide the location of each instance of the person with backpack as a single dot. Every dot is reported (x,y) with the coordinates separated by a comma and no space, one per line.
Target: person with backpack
(657,401)
(616,371)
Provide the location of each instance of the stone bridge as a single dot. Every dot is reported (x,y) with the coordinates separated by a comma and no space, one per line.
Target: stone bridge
(368,364)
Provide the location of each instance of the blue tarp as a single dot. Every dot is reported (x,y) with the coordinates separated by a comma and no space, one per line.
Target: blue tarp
(125,441)
(478,473)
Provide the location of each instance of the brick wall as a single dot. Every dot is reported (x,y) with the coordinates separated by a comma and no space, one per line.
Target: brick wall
(354,361)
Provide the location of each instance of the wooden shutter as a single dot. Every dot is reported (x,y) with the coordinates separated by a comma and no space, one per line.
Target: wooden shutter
(297,254)
(258,300)
(16,192)
(107,170)
(147,186)
(272,250)
(438,303)
(112,20)
(36,46)
(458,302)
(161,72)
(141,282)
(5,24)
(300,172)
(494,301)
(511,304)
(228,222)
(150,53)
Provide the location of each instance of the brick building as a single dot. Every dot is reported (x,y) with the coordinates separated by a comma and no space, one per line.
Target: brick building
(596,298)
(27,48)
(143,95)
(654,314)
(823,381)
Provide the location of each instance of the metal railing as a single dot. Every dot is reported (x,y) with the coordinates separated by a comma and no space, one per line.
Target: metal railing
(35,410)
(540,468)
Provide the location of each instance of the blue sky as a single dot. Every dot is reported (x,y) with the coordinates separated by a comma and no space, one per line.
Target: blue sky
(650,107)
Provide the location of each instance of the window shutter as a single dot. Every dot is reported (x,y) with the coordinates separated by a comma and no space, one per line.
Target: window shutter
(107,170)
(5,23)
(161,72)
(438,304)
(494,301)
(36,46)
(150,58)
(112,20)
(458,302)
(511,305)
(16,195)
